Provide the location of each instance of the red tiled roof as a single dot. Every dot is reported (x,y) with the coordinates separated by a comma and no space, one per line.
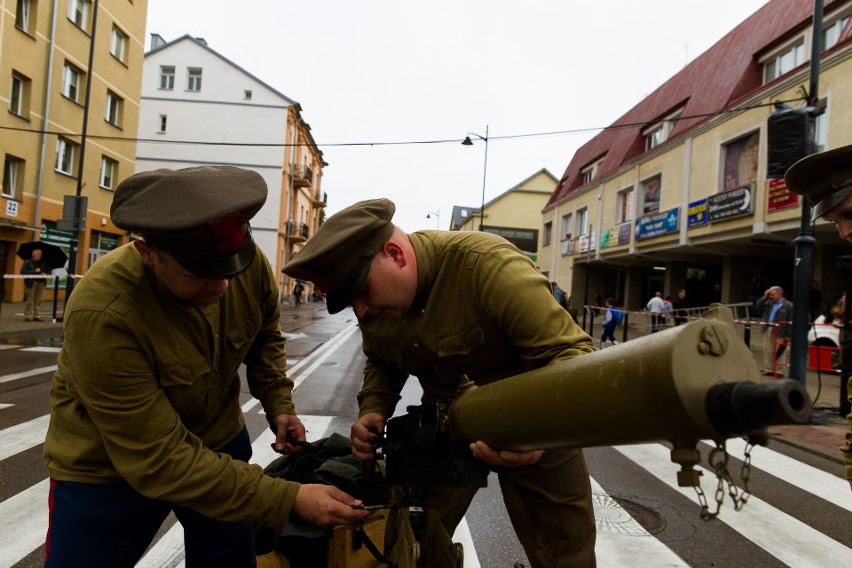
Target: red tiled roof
(714,81)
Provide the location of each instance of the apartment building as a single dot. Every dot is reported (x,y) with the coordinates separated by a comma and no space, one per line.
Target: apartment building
(676,193)
(515,214)
(198,108)
(49,87)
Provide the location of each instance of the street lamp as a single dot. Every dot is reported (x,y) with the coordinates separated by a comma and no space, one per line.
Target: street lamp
(468,142)
(437,217)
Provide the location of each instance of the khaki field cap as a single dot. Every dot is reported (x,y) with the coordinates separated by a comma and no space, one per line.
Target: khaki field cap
(198,215)
(337,259)
(824,178)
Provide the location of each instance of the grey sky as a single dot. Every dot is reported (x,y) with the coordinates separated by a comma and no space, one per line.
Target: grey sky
(397,71)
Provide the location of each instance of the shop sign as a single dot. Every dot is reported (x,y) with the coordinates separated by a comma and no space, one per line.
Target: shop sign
(696,215)
(780,197)
(657,224)
(730,204)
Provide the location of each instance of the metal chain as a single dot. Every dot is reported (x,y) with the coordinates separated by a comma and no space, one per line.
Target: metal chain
(718,460)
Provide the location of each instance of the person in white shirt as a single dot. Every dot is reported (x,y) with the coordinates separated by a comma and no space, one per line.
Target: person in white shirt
(655,306)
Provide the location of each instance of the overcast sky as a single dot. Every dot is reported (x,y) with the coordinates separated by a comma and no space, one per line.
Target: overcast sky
(378,71)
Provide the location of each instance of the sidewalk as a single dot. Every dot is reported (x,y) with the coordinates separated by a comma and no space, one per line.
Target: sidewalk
(823,436)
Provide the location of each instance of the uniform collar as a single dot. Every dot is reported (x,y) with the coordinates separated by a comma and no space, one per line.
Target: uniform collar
(427,268)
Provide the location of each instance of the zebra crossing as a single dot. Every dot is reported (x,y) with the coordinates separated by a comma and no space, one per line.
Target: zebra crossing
(622,540)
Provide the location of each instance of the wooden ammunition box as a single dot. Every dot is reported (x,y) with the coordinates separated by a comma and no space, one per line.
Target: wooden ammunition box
(341,547)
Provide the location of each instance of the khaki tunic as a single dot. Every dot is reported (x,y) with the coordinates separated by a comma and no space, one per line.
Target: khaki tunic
(147,389)
(482,310)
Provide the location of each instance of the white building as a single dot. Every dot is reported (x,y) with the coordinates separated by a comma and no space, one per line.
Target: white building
(193,100)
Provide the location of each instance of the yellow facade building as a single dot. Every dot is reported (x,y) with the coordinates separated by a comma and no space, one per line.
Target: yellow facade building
(514,214)
(48,86)
(677,193)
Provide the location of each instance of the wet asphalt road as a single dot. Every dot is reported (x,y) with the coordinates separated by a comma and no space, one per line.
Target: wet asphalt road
(799,514)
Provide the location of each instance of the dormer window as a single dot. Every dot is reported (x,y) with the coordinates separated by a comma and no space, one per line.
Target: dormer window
(831,33)
(590,171)
(659,131)
(784,60)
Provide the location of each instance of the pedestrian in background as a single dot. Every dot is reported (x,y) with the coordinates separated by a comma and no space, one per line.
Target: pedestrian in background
(609,322)
(679,307)
(444,306)
(777,313)
(655,306)
(559,294)
(34,287)
(298,290)
(825,179)
(668,308)
(145,404)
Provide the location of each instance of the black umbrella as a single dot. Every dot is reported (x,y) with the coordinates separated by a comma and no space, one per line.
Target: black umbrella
(52,255)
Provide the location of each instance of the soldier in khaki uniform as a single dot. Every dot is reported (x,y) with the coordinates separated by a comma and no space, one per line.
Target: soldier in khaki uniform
(825,179)
(145,410)
(441,306)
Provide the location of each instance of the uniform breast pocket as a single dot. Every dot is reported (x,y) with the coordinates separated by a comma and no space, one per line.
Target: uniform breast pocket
(186,385)
(461,342)
(242,336)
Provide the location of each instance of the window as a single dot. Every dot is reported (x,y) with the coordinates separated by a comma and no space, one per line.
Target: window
(590,171)
(566,227)
(831,34)
(71,82)
(109,170)
(24,16)
(821,127)
(19,96)
(654,137)
(583,221)
(13,175)
(114,105)
(740,161)
(163,120)
(659,132)
(547,234)
(65,156)
(167,78)
(118,44)
(78,12)
(651,195)
(784,61)
(247,95)
(624,206)
(193,79)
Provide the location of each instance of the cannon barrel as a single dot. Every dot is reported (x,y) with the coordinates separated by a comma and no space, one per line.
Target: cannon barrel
(692,382)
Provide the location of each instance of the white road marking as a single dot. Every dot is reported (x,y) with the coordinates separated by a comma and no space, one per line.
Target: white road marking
(23,522)
(781,535)
(23,436)
(25,374)
(621,541)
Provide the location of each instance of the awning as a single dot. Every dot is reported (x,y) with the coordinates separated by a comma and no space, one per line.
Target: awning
(19,225)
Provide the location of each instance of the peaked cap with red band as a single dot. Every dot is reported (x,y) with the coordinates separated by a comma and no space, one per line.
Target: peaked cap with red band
(338,257)
(198,215)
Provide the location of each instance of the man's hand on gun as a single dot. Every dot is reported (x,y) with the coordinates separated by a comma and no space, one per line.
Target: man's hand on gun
(326,506)
(504,458)
(364,435)
(289,434)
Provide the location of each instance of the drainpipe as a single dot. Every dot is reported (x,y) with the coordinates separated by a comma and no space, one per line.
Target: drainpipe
(47,91)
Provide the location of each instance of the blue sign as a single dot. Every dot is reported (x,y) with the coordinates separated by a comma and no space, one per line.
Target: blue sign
(697,213)
(657,224)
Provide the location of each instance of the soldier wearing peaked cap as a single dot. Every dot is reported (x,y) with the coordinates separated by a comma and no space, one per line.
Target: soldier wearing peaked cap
(825,179)
(440,306)
(145,411)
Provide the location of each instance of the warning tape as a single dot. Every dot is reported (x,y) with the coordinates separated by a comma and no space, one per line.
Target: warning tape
(42,276)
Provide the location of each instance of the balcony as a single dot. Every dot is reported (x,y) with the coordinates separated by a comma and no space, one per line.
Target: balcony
(302,176)
(298,232)
(320,199)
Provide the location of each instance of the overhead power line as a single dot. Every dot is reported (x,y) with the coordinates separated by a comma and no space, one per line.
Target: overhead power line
(391,143)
